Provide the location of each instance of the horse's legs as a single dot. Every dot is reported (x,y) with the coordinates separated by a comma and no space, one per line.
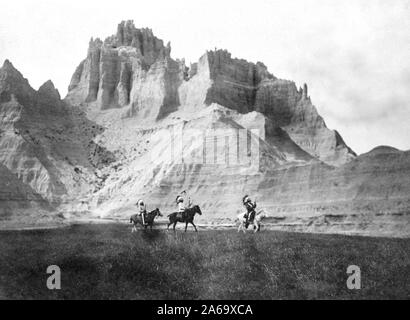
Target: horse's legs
(175,223)
(196,230)
(256,226)
(186,225)
(242,226)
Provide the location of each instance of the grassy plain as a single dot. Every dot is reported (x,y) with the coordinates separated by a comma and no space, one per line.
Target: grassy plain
(108,262)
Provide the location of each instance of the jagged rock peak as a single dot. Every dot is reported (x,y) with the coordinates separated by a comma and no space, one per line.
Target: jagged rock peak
(7,64)
(49,90)
(114,69)
(142,39)
(94,44)
(9,69)
(10,75)
(12,83)
(305,91)
(221,62)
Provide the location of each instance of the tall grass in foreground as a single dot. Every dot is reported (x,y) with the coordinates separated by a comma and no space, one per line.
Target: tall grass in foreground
(108,262)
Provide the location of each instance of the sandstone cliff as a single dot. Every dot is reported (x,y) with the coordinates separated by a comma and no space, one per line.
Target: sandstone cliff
(246,87)
(133,70)
(45,143)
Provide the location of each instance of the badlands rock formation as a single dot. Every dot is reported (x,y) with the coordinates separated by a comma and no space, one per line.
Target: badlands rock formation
(134,71)
(45,145)
(138,124)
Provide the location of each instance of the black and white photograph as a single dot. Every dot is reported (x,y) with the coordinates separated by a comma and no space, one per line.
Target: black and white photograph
(206,150)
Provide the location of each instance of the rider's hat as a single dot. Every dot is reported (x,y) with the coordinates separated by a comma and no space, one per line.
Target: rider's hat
(140,202)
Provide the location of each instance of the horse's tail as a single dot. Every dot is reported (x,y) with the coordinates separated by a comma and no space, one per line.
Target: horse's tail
(131,220)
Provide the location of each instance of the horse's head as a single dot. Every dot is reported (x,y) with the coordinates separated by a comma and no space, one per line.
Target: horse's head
(261,215)
(198,210)
(158,213)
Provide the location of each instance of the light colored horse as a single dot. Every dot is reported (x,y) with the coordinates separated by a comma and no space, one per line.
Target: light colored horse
(259,216)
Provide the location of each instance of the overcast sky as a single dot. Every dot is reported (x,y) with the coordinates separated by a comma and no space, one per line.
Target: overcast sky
(354,55)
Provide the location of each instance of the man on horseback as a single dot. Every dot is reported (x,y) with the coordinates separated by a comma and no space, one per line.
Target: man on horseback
(250,209)
(181,203)
(142,210)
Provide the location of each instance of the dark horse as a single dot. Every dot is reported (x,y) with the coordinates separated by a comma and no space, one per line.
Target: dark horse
(187,217)
(149,219)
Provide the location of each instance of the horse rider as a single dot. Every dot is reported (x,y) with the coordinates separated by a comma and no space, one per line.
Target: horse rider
(142,210)
(250,209)
(180,200)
